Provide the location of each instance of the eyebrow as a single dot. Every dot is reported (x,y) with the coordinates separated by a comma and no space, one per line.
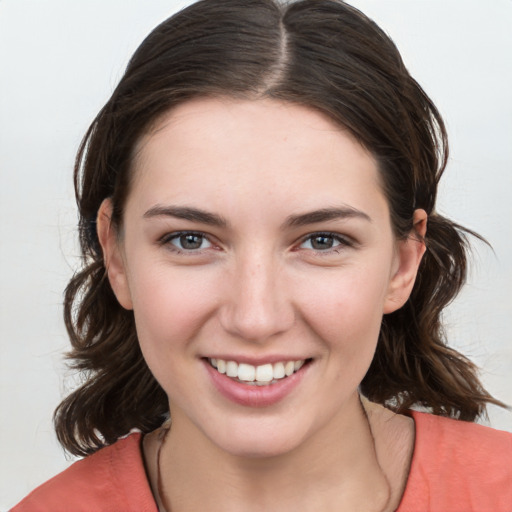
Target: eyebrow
(325,214)
(212,219)
(187,213)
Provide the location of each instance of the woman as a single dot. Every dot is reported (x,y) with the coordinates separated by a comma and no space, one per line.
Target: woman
(263,263)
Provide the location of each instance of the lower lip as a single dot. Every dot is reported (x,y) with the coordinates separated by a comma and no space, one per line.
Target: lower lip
(255,396)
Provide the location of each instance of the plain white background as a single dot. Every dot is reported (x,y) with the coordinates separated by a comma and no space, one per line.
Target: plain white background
(59,62)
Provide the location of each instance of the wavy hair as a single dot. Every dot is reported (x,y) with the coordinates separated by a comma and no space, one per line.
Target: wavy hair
(330,57)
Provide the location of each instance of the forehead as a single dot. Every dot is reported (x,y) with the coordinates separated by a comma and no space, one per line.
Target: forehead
(212,147)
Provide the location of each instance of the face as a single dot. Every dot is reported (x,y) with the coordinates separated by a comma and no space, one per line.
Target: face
(258,256)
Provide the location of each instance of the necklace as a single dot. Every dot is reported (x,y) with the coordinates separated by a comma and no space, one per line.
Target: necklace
(365,412)
(166,427)
(159,486)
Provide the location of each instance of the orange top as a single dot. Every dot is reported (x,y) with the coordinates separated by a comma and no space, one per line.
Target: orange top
(456,466)
(111,480)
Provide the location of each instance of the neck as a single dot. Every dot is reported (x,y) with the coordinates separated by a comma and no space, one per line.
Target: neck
(334,470)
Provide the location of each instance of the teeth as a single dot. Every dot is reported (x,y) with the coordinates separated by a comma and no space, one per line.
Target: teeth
(279,372)
(231,369)
(264,373)
(246,372)
(257,375)
(221,365)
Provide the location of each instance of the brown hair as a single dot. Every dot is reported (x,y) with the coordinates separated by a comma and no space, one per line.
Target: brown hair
(321,53)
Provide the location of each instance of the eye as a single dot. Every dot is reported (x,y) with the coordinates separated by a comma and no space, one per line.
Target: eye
(187,241)
(324,242)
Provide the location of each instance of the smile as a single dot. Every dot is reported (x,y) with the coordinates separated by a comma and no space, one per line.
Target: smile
(262,375)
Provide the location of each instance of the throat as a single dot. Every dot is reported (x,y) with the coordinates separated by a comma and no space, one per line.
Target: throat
(351,476)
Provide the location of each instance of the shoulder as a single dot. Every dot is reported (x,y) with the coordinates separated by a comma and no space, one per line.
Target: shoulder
(111,479)
(461,464)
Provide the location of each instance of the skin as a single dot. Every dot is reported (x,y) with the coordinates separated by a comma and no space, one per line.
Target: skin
(257,287)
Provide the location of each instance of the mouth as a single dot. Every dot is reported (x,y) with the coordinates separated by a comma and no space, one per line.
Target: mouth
(261,375)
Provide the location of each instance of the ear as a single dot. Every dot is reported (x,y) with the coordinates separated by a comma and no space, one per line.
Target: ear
(112,254)
(409,254)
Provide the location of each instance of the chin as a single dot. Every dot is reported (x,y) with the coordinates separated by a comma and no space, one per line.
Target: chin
(259,440)
(258,448)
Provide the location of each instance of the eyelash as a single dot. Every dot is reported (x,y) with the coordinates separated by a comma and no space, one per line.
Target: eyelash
(343,242)
(170,237)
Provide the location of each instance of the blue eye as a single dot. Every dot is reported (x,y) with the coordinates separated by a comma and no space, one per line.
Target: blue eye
(188,241)
(324,242)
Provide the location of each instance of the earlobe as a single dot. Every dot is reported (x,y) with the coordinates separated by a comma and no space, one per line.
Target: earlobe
(409,254)
(112,255)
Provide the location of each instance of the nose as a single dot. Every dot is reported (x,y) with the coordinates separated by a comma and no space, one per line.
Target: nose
(258,305)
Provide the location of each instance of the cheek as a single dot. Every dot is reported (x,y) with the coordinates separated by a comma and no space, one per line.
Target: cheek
(169,306)
(346,310)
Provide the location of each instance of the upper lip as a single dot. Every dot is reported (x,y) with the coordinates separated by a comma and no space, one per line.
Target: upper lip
(260,360)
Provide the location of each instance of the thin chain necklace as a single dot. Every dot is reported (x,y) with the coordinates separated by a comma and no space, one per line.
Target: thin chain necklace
(159,485)
(167,427)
